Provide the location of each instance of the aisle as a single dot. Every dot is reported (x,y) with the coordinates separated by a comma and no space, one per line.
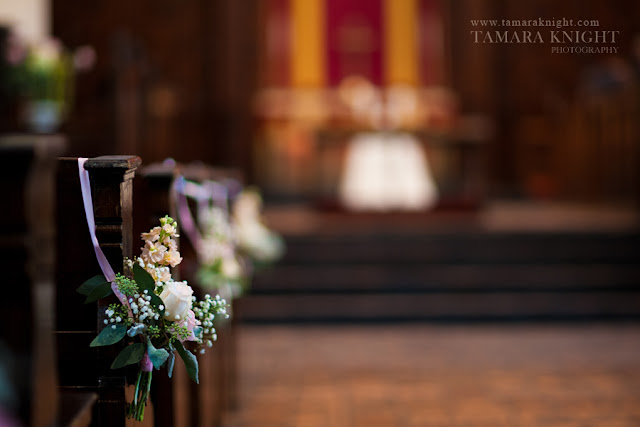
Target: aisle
(417,375)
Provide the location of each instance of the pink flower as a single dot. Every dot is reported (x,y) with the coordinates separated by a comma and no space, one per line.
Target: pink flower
(145,364)
(152,235)
(190,323)
(172,258)
(153,253)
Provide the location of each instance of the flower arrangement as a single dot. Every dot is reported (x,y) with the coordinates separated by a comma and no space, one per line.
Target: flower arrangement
(255,240)
(43,75)
(156,316)
(220,266)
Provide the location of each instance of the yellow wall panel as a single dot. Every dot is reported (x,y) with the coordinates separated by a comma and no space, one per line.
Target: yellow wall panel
(400,41)
(308,61)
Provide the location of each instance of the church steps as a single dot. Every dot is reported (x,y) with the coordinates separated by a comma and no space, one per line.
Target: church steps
(451,276)
(503,306)
(465,247)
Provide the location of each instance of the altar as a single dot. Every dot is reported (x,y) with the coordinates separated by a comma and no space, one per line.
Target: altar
(386,171)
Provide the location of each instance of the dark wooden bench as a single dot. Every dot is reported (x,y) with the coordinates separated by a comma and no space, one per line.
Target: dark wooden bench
(82,368)
(179,401)
(27,250)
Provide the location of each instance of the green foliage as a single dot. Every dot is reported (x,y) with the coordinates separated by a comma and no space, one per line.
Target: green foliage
(127,286)
(100,291)
(171,361)
(153,331)
(88,286)
(190,361)
(146,283)
(110,335)
(143,278)
(129,355)
(157,355)
(179,332)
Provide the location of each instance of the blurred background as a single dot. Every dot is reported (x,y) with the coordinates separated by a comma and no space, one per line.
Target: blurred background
(277,87)
(418,171)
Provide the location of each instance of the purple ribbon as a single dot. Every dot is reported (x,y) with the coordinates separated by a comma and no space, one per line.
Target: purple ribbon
(218,193)
(187,224)
(85,186)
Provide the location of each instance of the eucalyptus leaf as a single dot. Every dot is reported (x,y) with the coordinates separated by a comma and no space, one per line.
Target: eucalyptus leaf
(100,291)
(86,288)
(190,361)
(170,362)
(129,355)
(157,355)
(197,331)
(109,335)
(135,330)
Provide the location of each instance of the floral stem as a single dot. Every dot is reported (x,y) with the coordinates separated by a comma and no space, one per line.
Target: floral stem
(143,388)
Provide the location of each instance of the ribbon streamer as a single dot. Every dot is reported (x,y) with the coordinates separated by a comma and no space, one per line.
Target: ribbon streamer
(180,188)
(85,186)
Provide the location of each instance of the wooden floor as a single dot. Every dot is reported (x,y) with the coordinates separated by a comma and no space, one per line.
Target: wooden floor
(425,375)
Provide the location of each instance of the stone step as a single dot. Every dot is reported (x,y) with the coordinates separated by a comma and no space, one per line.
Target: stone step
(441,307)
(465,275)
(432,278)
(475,247)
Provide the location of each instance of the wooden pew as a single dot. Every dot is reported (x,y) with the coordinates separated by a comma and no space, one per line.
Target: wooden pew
(227,330)
(82,368)
(27,249)
(179,401)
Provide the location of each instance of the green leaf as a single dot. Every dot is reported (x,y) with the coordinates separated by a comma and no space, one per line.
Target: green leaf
(143,278)
(86,288)
(100,291)
(145,282)
(157,355)
(129,355)
(171,361)
(190,361)
(109,335)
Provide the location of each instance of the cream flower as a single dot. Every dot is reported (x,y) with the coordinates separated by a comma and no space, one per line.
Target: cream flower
(169,229)
(163,274)
(153,235)
(153,253)
(170,243)
(159,274)
(172,258)
(177,299)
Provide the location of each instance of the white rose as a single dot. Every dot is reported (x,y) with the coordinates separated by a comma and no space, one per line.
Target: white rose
(177,300)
